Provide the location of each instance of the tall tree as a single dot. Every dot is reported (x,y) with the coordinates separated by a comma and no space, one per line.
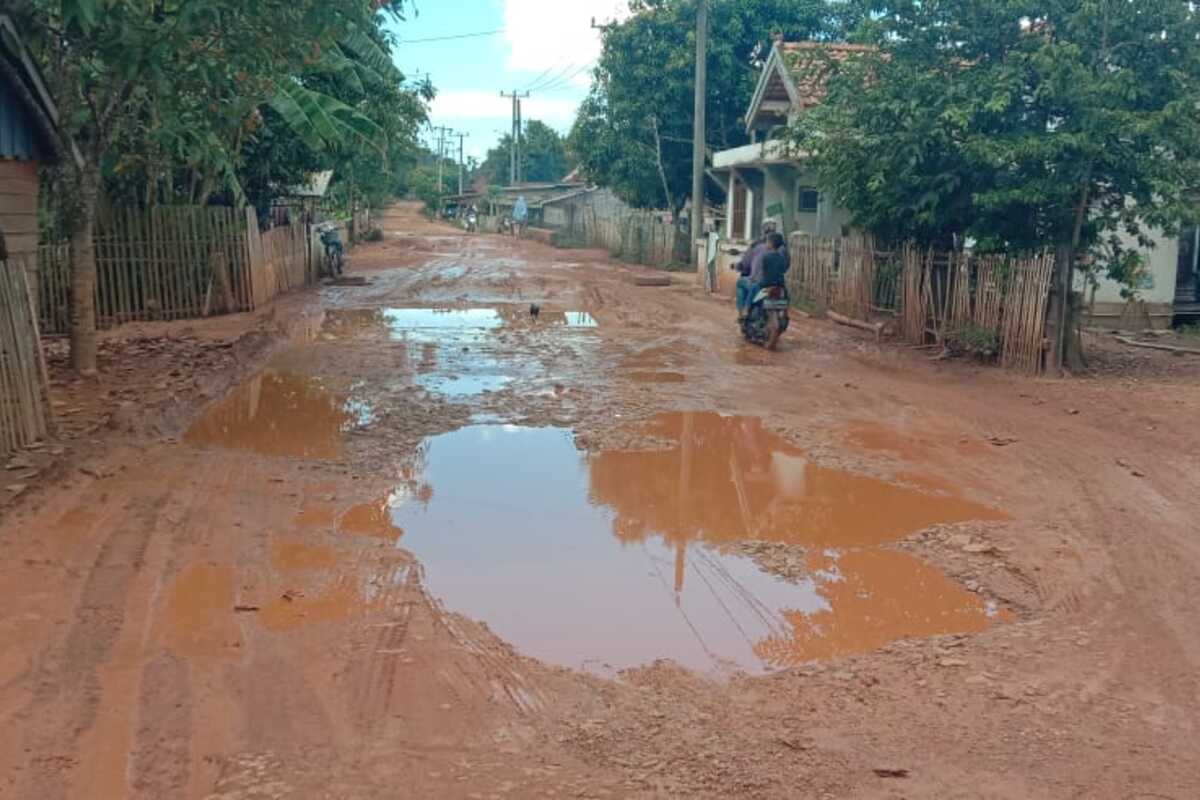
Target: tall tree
(634,131)
(1026,124)
(544,156)
(118,66)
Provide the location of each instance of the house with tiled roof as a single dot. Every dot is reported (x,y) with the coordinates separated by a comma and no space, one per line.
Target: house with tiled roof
(766,179)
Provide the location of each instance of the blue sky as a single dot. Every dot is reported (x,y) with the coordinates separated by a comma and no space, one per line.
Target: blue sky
(541,42)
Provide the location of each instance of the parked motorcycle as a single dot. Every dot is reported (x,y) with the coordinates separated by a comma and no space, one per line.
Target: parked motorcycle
(767,318)
(335,252)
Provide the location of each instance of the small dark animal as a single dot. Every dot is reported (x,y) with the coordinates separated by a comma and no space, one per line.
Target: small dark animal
(535,310)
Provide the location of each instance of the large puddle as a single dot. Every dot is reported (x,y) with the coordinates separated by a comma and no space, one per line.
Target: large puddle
(620,558)
(282,414)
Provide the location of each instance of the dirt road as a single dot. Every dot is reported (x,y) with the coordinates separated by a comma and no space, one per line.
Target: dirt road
(439,547)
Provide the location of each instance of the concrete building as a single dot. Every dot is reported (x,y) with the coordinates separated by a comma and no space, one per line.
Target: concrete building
(767,179)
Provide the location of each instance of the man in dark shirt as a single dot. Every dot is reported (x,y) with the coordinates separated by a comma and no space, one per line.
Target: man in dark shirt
(771,268)
(750,262)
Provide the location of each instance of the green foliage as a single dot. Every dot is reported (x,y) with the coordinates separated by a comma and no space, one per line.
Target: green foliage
(975,339)
(645,79)
(1192,331)
(544,157)
(170,97)
(423,185)
(1021,123)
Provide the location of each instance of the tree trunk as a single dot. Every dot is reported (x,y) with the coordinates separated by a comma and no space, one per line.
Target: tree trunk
(662,172)
(83,275)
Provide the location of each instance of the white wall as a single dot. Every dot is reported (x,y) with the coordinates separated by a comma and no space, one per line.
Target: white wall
(1163,260)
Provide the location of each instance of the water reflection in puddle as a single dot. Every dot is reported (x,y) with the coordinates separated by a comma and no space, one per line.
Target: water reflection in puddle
(399,323)
(463,385)
(281,414)
(623,557)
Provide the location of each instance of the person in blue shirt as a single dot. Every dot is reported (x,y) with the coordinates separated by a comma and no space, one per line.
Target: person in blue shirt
(520,216)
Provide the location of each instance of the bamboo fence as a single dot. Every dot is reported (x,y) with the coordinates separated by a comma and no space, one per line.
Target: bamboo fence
(24,385)
(635,238)
(177,263)
(935,296)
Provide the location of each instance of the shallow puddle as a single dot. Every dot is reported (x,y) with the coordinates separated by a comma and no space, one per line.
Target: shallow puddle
(463,385)
(620,558)
(281,414)
(402,323)
(197,618)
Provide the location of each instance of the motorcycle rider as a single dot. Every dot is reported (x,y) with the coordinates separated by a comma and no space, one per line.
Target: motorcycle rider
(771,268)
(746,266)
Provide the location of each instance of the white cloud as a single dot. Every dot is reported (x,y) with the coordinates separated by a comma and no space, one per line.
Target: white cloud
(557,35)
(482,105)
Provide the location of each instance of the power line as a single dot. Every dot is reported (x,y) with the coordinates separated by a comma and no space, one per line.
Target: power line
(564,82)
(538,79)
(550,82)
(450,38)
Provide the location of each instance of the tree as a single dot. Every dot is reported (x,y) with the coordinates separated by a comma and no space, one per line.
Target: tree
(544,157)
(187,78)
(1026,124)
(634,131)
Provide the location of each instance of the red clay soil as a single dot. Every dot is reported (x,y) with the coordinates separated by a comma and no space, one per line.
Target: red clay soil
(215,584)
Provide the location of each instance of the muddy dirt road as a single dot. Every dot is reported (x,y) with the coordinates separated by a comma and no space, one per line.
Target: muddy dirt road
(438,547)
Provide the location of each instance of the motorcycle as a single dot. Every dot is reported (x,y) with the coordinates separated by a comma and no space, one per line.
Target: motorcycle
(471,222)
(335,252)
(767,318)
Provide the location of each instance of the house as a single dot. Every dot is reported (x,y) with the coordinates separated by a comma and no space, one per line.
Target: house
(766,179)
(28,124)
(1168,293)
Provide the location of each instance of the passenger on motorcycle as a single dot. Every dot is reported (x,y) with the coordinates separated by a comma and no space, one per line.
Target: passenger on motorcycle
(771,268)
(751,260)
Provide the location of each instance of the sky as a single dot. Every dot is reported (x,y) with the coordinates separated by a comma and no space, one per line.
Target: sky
(547,46)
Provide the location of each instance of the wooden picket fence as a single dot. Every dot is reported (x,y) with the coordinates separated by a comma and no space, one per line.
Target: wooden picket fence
(24,384)
(990,302)
(635,238)
(282,260)
(177,263)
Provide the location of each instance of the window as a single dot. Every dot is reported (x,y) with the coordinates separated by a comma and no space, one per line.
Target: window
(810,198)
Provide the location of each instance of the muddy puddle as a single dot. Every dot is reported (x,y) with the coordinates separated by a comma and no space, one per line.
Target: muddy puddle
(404,323)
(282,414)
(722,548)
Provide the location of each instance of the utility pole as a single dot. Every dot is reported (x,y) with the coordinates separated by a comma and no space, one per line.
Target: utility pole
(700,134)
(513,156)
(520,130)
(442,131)
(461,160)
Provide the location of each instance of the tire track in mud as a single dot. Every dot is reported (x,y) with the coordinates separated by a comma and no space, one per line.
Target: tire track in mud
(67,690)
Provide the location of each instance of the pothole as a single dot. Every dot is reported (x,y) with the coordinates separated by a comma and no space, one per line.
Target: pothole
(721,548)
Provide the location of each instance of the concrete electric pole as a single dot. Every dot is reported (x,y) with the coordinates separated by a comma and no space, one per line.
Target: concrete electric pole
(699,135)
(442,132)
(461,160)
(514,158)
